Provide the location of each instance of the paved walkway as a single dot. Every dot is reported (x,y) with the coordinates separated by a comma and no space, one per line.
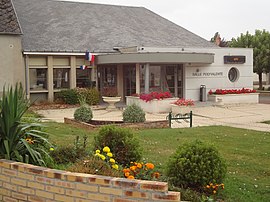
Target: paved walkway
(246,116)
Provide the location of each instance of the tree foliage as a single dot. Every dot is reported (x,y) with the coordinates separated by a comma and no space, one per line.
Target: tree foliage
(260,42)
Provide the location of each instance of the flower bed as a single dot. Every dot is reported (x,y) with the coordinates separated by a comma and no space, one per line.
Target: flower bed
(235,98)
(231,91)
(152,106)
(182,106)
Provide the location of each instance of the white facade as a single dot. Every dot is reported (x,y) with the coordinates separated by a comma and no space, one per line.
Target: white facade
(213,76)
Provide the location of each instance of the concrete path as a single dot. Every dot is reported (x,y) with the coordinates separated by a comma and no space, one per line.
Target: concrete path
(246,116)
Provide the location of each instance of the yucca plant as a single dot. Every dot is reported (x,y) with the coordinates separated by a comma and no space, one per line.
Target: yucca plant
(19,141)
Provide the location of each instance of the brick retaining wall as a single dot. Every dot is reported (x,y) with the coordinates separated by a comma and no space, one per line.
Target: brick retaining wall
(148,124)
(24,182)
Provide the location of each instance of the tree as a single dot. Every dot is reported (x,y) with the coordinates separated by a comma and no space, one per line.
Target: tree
(218,41)
(260,42)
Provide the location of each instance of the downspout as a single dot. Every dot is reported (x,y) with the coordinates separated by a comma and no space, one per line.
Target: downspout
(27,76)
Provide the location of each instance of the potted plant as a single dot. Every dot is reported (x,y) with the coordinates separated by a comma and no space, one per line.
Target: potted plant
(110,95)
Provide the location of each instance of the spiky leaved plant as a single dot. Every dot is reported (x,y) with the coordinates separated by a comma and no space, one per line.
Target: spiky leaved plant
(19,141)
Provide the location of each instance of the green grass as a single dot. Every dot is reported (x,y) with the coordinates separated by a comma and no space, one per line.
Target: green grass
(247,153)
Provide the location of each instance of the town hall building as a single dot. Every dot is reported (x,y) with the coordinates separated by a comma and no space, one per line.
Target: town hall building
(44,44)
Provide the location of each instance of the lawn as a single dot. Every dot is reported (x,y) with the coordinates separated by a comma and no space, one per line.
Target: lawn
(247,153)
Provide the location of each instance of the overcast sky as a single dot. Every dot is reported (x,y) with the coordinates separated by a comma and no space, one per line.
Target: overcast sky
(206,17)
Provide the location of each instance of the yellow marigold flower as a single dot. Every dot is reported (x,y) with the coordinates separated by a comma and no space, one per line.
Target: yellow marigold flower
(112,160)
(139,165)
(109,154)
(106,149)
(150,165)
(214,192)
(131,177)
(115,166)
(102,157)
(207,186)
(127,174)
(133,168)
(97,151)
(51,149)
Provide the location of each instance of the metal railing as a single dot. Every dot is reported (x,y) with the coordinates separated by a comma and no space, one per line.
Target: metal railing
(179,118)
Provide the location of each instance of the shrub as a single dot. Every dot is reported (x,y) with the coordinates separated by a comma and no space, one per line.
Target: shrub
(68,96)
(20,141)
(133,114)
(94,165)
(121,141)
(69,153)
(195,165)
(83,113)
(91,95)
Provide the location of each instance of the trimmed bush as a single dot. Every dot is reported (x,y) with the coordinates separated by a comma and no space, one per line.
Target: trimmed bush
(83,113)
(91,95)
(121,141)
(68,96)
(195,165)
(133,114)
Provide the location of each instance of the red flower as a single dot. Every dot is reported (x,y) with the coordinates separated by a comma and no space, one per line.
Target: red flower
(231,91)
(155,95)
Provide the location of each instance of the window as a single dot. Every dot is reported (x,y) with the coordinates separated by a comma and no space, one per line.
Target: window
(60,78)
(83,78)
(233,74)
(38,79)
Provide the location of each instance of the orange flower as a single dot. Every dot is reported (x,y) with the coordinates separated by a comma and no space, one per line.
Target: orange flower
(139,165)
(150,165)
(131,177)
(127,174)
(126,170)
(156,175)
(133,168)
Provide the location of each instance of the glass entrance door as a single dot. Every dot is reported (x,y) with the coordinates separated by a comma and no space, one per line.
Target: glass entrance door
(174,80)
(129,79)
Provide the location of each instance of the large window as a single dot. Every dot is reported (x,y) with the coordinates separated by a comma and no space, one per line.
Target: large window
(83,78)
(61,78)
(38,79)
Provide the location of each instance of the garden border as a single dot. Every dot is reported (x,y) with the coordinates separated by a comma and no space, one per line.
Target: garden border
(148,124)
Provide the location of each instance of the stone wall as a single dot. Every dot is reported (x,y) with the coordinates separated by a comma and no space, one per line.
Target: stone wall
(24,182)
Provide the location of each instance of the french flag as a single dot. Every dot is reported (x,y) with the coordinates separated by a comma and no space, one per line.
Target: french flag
(83,67)
(89,56)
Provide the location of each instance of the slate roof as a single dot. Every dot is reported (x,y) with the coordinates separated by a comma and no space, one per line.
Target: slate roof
(72,26)
(8,20)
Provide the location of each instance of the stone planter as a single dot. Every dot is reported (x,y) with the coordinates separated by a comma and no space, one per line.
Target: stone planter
(111,101)
(247,98)
(181,109)
(154,106)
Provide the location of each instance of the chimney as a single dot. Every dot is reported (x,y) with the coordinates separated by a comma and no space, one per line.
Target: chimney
(218,40)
